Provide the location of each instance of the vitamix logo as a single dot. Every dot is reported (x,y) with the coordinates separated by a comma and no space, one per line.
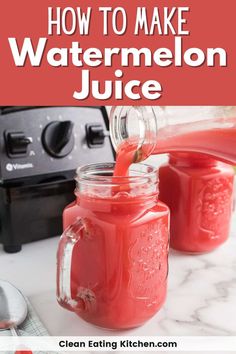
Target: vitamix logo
(17,166)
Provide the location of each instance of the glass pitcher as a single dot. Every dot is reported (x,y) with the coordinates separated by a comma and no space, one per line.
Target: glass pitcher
(154,130)
(113,255)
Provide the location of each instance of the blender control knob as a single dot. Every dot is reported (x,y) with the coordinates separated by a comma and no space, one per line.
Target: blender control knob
(95,135)
(58,138)
(17,143)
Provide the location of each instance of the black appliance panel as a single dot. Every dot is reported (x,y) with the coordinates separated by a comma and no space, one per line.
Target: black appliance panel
(33,158)
(40,149)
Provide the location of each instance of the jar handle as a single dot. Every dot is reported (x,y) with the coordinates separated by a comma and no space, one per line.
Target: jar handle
(70,237)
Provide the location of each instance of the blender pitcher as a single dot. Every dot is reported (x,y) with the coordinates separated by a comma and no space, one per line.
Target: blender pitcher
(208,130)
(113,255)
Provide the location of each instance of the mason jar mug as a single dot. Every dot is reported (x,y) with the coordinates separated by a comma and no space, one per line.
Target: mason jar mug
(113,255)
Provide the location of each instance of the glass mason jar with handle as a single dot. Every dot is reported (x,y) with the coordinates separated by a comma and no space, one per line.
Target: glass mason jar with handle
(113,255)
(155,130)
(200,200)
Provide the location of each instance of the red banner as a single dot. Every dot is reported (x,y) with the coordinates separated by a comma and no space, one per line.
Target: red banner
(119,53)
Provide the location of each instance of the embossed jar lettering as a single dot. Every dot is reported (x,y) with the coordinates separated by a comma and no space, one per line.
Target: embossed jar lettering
(216,206)
(148,258)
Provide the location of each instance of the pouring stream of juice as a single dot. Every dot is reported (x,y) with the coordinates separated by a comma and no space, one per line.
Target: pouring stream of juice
(219,143)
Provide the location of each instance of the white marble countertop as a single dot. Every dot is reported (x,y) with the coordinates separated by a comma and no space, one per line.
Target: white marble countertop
(201,298)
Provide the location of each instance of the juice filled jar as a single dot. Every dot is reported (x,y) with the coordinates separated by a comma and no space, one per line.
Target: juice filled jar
(199,191)
(113,255)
